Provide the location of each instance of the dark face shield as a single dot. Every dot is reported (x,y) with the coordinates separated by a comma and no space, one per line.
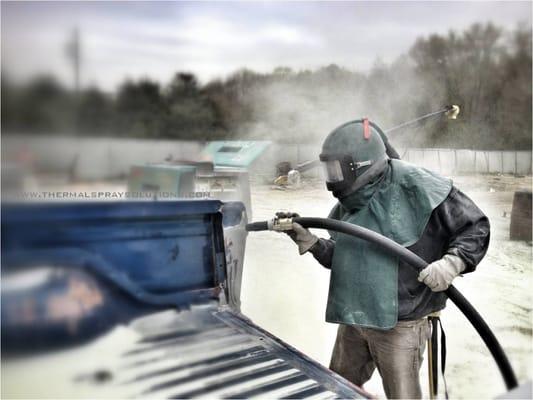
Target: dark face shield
(333,171)
(341,172)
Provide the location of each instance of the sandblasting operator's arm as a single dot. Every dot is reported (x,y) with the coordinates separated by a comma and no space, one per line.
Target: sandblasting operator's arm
(457,218)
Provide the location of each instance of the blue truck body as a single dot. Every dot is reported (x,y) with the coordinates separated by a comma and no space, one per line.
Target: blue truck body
(169,270)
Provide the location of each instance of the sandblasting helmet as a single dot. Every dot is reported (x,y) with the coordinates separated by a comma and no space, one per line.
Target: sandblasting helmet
(353,155)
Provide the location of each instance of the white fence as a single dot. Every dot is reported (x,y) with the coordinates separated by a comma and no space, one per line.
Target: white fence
(454,162)
(104,158)
(444,161)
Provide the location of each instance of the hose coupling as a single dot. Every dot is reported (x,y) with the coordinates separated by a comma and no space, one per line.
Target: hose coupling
(280,224)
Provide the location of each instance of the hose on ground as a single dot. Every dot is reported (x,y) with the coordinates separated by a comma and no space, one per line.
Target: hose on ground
(415,261)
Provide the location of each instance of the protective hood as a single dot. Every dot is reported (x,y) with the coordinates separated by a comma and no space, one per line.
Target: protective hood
(364,280)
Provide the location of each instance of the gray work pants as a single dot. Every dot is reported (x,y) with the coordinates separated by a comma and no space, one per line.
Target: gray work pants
(397,353)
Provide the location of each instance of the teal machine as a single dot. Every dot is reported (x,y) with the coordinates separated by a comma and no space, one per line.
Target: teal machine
(220,172)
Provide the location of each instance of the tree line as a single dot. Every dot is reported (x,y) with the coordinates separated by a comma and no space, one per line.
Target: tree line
(484,69)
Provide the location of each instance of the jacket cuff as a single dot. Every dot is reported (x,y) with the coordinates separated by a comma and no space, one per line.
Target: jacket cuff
(322,250)
(454,251)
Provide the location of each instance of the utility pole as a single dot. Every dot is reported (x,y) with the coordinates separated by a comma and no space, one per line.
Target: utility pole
(74,54)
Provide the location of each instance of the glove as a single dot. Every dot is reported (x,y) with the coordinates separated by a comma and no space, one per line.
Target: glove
(300,235)
(439,274)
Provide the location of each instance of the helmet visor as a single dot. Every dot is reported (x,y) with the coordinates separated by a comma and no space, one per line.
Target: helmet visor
(333,171)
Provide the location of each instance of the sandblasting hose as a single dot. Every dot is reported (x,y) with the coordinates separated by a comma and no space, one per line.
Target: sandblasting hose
(415,261)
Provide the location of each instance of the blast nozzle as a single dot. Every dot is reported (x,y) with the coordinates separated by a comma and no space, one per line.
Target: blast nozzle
(453,112)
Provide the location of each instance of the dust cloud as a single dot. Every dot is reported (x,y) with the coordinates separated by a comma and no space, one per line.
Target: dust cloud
(304,107)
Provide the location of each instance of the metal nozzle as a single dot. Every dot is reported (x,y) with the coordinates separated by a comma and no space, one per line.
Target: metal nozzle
(453,112)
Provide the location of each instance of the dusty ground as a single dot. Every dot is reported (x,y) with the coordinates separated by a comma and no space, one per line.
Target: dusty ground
(286,293)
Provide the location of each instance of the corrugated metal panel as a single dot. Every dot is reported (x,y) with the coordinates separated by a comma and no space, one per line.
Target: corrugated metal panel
(226,356)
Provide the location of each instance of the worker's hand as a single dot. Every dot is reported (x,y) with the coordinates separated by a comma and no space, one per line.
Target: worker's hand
(439,274)
(300,235)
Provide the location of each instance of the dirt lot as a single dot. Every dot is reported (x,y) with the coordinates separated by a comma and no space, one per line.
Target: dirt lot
(286,293)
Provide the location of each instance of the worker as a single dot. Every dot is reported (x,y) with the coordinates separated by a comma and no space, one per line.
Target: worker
(380,303)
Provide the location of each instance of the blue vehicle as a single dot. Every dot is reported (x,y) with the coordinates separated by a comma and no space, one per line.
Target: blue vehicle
(139,299)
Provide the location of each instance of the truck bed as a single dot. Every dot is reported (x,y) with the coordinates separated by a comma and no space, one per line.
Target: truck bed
(128,300)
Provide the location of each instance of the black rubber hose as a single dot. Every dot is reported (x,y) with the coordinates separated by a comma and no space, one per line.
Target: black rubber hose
(257,226)
(415,261)
(389,149)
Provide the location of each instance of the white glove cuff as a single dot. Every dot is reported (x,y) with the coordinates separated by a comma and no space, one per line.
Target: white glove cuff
(454,263)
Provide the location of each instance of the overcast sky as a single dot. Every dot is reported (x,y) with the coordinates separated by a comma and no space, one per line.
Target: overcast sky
(155,39)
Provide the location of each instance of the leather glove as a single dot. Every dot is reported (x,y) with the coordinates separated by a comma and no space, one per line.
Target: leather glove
(439,274)
(300,235)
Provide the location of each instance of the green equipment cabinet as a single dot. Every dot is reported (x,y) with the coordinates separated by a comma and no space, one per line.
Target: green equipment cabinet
(222,174)
(162,181)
